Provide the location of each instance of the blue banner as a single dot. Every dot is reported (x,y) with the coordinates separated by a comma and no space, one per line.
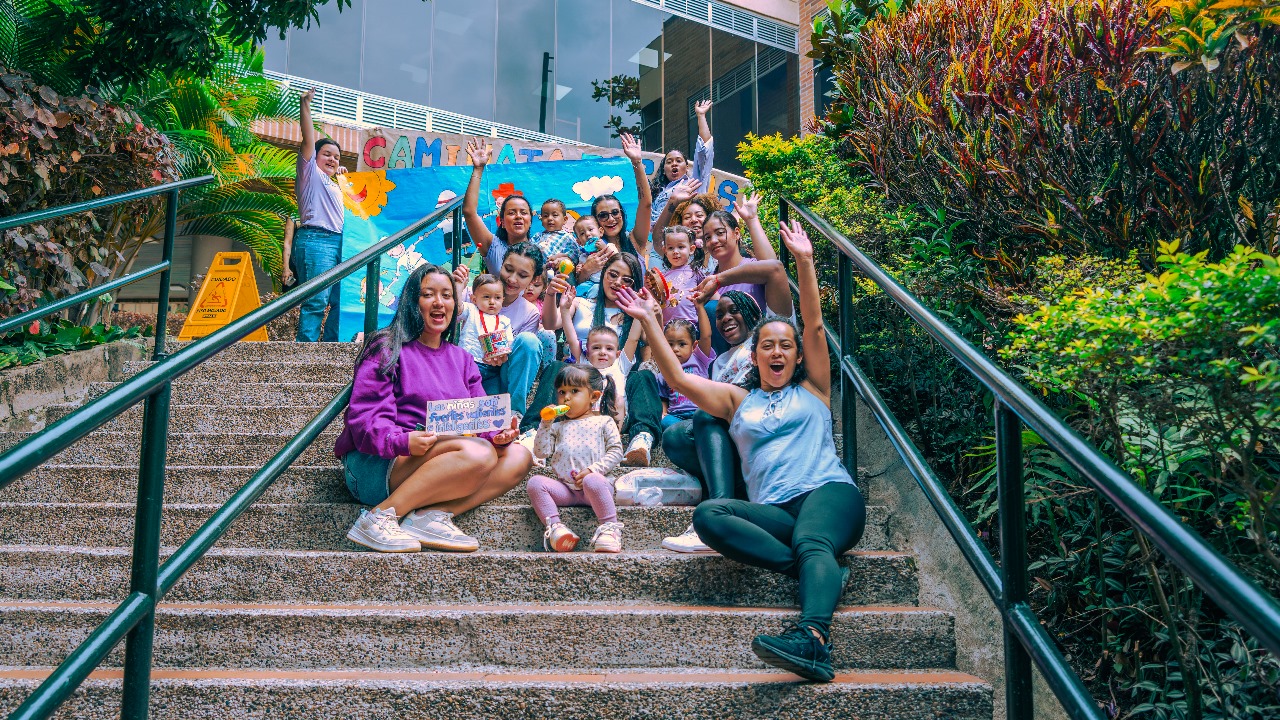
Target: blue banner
(380,203)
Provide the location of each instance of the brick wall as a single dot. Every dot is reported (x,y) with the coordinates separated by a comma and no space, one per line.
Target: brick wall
(808,8)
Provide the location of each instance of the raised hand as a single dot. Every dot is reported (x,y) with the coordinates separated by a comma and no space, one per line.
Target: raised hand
(684,189)
(708,287)
(638,305)
(630,147)
(509,434)
(307,97)
(702,107)
(478,150)
(748,208)
(797,240)
(460,275)
(567,296)
(559,284)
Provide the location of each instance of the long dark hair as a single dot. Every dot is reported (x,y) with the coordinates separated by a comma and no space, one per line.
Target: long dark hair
(407,324)
(529,250)
(586,376)
(751,380)
(624,237)
(501,232)
(658,181)
(637,280)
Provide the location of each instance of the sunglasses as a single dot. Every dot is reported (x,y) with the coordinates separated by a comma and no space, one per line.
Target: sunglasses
(606,214)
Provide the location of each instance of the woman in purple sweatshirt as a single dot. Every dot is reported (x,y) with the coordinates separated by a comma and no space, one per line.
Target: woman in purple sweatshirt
(399,470)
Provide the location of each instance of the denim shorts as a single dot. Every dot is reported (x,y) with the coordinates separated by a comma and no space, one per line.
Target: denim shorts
(368,477)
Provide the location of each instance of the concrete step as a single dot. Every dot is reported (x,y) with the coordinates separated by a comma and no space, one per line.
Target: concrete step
(287,576)
(225,449)
(217,372)
(313,526)
(519,695)
(197,421)
(239,392)
(464,636)
(339,354)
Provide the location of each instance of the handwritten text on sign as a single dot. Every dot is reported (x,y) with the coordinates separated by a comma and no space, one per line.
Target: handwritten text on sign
(466,416)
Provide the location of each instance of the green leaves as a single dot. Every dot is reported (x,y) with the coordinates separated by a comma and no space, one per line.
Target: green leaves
(56,336)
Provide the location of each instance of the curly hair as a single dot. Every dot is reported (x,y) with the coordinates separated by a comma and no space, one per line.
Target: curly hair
(752,379)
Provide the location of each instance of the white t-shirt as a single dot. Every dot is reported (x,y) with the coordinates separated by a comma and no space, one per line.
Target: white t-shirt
(733,365)
(475,324)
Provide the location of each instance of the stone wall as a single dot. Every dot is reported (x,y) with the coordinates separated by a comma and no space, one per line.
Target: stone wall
(26,391)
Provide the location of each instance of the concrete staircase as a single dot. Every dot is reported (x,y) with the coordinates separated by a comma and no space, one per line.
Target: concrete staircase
(286,618)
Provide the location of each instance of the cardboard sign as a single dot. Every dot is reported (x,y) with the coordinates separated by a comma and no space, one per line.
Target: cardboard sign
(230,291)
(469,416)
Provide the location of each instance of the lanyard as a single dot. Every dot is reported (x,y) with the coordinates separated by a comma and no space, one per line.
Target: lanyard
(497,323)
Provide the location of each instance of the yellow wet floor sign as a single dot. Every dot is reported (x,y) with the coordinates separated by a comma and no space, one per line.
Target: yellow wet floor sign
(230,291)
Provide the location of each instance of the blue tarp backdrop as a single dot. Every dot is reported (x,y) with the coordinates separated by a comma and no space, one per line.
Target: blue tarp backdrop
(382,202)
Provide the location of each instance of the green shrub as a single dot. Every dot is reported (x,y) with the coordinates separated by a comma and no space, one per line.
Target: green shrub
(1054,127)
(55,336)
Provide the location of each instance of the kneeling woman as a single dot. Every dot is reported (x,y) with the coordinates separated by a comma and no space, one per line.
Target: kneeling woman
(399,470)
(804,509)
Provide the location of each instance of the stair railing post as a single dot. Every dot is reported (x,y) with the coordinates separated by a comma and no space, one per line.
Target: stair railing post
(146,552)
(162,302)
(372,290)
(1013,559)
(848,345)
(784,217)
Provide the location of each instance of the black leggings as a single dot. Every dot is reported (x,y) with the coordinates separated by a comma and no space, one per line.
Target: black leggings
(802,538)
(701,446)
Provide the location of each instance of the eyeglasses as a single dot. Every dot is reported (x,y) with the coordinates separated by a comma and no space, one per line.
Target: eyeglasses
(606,214)
(616,277)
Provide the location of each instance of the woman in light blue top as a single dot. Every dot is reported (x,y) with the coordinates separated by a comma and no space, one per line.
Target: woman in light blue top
(804,510)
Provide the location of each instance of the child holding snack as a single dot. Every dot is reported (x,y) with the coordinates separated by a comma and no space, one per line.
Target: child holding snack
(485,333)
(692,346)
(583,446)
(555,240)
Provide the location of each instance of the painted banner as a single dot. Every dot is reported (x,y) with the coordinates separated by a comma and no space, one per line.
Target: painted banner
(380,203)
(392,149)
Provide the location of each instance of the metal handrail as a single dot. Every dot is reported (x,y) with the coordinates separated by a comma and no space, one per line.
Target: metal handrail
(134,620)
(165,266)
(1025,640)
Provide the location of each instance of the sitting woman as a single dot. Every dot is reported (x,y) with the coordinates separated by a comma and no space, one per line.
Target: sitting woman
(803,509)
(398,469)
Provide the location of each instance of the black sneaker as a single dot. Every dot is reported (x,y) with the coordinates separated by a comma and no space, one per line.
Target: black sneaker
(798,651)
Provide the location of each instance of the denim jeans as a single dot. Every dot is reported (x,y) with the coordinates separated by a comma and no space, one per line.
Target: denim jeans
(315,251)
(516,375)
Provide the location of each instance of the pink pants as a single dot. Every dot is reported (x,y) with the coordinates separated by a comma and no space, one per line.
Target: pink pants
(548,495)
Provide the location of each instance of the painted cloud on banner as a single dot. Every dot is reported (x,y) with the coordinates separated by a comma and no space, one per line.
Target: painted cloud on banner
(596,186)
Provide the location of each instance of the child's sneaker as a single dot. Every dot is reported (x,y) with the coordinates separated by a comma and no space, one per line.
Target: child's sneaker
(379,531)
(435,530)
(638,451)
(560,538)
(608,538)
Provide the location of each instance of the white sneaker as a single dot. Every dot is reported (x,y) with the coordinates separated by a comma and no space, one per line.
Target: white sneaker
(689,542)
(638,451)
(378,530)
(560,538)
(436,531)
(608,538)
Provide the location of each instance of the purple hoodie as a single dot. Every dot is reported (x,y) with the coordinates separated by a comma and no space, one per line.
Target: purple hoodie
(384,410)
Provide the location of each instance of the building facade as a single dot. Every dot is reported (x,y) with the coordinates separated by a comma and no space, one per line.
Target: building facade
(585,70)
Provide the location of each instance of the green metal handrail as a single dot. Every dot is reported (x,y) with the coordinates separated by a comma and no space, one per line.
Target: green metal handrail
(1025,639)
(165,266)
(134,619)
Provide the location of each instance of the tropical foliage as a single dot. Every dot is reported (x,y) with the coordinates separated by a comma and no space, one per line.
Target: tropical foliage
(57,337)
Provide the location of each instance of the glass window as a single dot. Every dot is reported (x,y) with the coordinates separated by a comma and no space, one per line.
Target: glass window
(329,51)
(733,89)
(686,78)
(582,68)
(397,49)
(637,72)
(526,30)
(823,83)
(462,55)
(778,91)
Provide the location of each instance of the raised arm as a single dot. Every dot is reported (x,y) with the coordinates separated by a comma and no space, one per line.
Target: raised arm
(718,399)
(770,273)
(307,149)
(704,326)
(748,211)
(704,130)
(568,304)
(817,365)
(640,231)
(551,302)
(478,150)
(683,190)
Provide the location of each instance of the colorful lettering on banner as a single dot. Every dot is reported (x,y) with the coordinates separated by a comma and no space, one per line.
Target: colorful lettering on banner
(382,202)
(468,416)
